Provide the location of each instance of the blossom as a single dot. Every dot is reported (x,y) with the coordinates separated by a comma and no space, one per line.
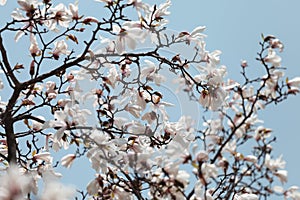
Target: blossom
(293,193)
(59,16)
(109,151)
(276,43)
(282,175)
(51,90)
(295,82)
(208,171)
(195,35)
(244,63)
(139,5)
(149,117)
(262,133)
(137,128)
(128,35)
(156,14)
(273,58)
(89,19)
(135,110)
(2,2)
(29,6)
(61,47)
(34,48)
(212,98)
(44,156)
(150,72)
(272,164)
(112,77)
(74,10)
(94,185)
(213,94)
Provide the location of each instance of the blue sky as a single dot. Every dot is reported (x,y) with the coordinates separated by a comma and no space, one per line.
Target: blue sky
(234,27)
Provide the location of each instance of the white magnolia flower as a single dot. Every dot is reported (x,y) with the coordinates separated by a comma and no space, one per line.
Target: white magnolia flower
(295,82)
(138,128)
(293,193)
(94,185)
(251,158)
(51,90)
(209,170)
(273,58)
(196,35)
(44,156)
(60,15)
(212,98)
(278,189)
(112,77)
(29,6)
(276,43)
(272,164)
(129,35)
(74,10)
(139,5)
(61,47)
(272,83)
(156,14)
(135,110)
(261,133)
(282,175)
(150,72)
(34,48)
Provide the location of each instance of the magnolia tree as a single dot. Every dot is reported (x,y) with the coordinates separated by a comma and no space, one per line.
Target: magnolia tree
(99,87)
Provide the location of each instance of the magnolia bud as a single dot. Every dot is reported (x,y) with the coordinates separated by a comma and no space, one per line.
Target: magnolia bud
(31,70)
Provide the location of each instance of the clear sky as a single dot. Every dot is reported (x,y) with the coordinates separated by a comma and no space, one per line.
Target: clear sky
(234,27)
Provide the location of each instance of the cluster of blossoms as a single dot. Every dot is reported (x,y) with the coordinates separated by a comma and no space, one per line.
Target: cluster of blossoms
(109,105)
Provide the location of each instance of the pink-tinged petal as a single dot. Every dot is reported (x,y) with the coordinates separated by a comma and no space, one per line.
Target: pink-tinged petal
(89,20)
(294,82)
(204,99)
(282,175)
(18,35)
(120,45)
(131,43)
(93,187)
(68,160)
(44,156)
(2,2)
(198,29)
